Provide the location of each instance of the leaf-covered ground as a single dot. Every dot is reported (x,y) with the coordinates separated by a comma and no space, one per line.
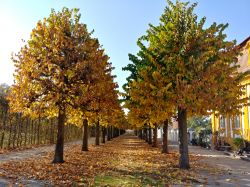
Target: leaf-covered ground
(124,161)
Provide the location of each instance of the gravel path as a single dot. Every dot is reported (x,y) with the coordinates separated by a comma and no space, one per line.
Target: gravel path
(31,153)
(36,152)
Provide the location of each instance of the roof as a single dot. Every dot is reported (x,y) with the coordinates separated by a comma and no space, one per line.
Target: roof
(244,58)
(242,44)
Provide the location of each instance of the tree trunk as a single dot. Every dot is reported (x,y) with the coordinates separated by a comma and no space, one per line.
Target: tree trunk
(85,135)
(165,137)
(108,134)
(112,132)
(31,132)
(26,131)
(51,131)
(19,130)
(38,130)
(115,133)
(155,136)
(97,134)
(103,134)
(10,135)
(4,127)
(15,131)
(183,143)
(150,135)
(58,158)
(140,134)
(145,134)
(47,133)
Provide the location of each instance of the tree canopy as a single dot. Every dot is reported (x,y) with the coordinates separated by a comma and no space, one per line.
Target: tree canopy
(63,70)
(191,69)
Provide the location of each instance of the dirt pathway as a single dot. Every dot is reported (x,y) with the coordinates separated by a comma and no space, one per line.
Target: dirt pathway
(38,153)
(124,161)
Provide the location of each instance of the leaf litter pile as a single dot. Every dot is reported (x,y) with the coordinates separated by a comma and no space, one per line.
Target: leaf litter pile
(124,161)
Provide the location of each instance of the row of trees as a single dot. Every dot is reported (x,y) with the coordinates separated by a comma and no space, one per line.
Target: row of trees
(182,69)
(18,131)
(63,72)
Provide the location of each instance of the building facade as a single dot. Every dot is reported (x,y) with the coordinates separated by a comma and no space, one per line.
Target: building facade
(225,128)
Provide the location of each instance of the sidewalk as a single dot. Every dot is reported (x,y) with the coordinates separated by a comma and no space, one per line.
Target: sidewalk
(237,171)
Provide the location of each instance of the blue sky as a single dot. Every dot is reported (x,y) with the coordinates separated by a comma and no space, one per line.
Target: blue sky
(117,24)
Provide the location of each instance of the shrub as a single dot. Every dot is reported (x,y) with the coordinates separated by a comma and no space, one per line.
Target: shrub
(238,143)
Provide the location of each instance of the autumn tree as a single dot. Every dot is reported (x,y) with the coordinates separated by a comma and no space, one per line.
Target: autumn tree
(51,68)
(18,131)
(147,93)
(198,64)
(105,101)
(97,99)
(147,104)
(85,102)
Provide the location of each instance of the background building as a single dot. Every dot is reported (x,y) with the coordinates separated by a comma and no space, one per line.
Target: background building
(225,128)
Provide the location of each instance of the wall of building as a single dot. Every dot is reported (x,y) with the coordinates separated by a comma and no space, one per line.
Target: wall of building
(230,130)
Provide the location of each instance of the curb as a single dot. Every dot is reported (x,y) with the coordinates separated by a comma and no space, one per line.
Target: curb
(245,158)
(229,153)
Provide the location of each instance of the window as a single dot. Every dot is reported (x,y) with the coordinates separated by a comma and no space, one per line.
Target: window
(231,121)
(237,122)
(237,136)
(231,125)
(222,122)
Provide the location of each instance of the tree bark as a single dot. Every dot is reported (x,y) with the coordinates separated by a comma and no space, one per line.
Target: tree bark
(58,157)
(51,131)
(136,132)
(165,137)
(54,129)
(38,130)
(15,131)
(10,134)
(155,136)
(150,136)
(47,134)
(112,132)
(26,131)
(140,134)
(116,132)
(19,131)
(31,132)
(108,134)
(5,113)
(97,134)
(183,143)
(145,134)
(85,135)
(103,134)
